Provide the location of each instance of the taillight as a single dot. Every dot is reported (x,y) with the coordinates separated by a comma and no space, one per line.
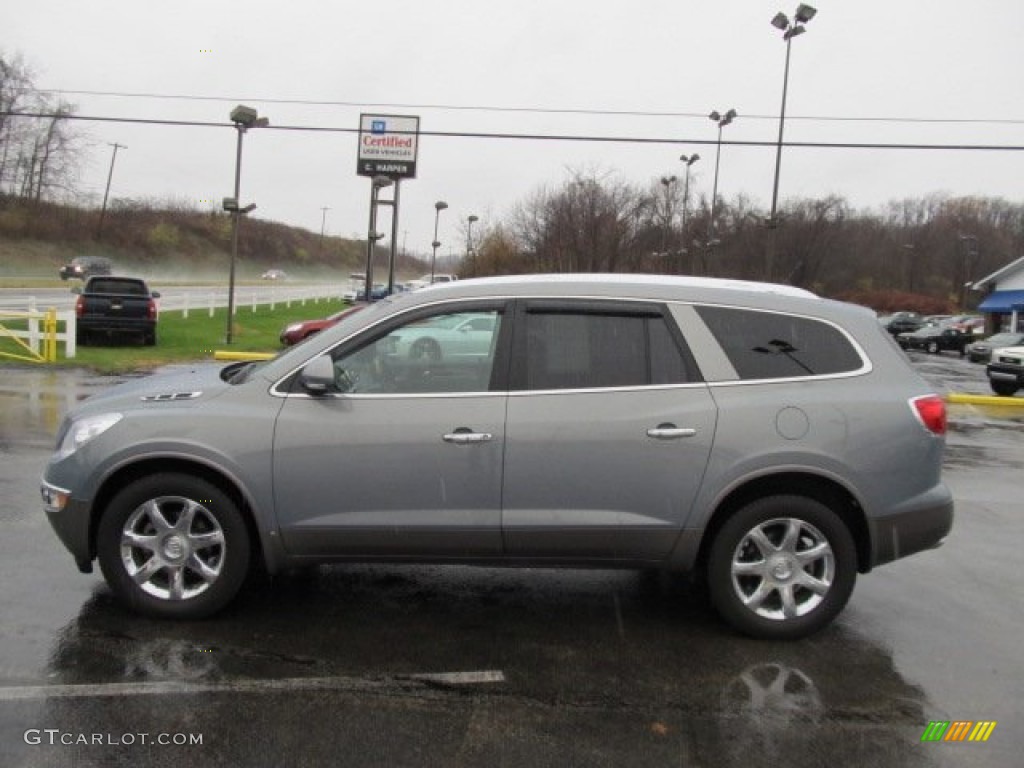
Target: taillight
(152,309)
(931,411)
(79,306)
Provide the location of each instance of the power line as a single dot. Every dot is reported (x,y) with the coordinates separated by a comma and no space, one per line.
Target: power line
(530,110)
(544,137)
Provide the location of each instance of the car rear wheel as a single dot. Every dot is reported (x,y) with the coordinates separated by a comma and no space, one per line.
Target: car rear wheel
(1004,388)
(782,567)
(933,347)
(173,546)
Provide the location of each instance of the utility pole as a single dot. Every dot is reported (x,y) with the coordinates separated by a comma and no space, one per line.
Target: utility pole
(323,223)
(110,175)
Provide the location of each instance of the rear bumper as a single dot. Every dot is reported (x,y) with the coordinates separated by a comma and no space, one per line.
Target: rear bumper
(912,530)
(115,324)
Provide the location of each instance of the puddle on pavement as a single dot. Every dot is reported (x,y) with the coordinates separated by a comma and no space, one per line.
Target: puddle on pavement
(33,401)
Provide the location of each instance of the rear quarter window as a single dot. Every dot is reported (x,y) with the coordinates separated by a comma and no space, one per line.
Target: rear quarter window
(771,345)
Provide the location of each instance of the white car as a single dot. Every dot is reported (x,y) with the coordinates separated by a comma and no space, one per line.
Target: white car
(1006,370)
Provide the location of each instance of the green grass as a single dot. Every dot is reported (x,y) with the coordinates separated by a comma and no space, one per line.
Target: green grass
(184,340)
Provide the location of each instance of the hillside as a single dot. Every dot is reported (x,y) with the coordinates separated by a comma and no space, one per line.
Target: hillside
(174,241)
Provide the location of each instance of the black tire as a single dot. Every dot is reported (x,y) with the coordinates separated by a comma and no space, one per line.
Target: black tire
(1004,388)
(933,348)
(425,348)
(173,586)
(834,568)
(150,339)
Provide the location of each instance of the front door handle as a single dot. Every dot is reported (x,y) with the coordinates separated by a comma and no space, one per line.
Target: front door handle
(670,432)
(465,436)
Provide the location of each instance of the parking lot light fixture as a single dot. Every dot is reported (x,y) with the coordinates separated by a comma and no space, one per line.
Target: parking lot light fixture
(439,206)
(688,160)
(721,121)
(244,118)
(790,29)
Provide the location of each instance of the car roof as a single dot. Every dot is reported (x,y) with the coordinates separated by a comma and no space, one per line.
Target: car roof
(655,286)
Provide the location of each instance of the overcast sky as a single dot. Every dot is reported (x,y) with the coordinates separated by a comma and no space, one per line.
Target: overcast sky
(900,72)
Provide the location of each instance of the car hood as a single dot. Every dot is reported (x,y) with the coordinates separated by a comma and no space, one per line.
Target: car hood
(183,384)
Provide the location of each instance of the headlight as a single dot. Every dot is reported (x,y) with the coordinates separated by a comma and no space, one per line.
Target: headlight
(84,430)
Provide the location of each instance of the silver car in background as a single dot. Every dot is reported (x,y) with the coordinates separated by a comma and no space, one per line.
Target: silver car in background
(772,442)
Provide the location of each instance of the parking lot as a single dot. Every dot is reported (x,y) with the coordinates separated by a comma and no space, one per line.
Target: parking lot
(453,666)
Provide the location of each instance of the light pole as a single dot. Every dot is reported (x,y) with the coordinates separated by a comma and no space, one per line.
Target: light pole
(470,253)
(908,249)
(721,121)
(667,182)
(323,225)
(790,29)
(110,175)
(439,206)
(970,244)
(244,118)
(688,160)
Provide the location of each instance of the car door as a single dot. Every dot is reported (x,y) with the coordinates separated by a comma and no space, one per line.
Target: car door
(403,458)
(608,432)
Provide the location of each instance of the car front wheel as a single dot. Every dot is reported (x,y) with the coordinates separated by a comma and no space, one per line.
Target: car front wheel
(782,567)
(173,546)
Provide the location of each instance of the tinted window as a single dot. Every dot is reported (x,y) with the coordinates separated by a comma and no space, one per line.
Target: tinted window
(451,352)
(768,345)
(582,350)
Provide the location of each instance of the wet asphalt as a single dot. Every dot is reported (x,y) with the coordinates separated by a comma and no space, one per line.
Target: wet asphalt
(452,666)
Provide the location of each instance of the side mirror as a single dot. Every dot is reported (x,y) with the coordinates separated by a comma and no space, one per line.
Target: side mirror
(317,376)
(155,294)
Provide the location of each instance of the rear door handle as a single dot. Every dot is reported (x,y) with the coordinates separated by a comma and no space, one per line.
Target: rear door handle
(464,436)
(670,432)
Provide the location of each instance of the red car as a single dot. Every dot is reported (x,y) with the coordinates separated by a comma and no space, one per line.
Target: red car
(296,332)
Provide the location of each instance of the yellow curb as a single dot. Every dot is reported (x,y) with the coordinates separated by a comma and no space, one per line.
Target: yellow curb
(221,354)
(963,399)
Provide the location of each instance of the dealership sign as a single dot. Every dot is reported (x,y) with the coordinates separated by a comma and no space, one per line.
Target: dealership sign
(387,145)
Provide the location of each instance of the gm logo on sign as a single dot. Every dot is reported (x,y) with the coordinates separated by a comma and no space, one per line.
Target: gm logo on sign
(378,126)
(958,730)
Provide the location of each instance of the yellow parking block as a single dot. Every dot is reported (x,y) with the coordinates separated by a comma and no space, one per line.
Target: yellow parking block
(964,399)
(223,354)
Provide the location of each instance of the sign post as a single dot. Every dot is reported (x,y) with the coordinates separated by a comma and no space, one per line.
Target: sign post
(388,147)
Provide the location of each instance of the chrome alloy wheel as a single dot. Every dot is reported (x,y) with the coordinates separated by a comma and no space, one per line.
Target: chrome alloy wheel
(173,548)
(782,568)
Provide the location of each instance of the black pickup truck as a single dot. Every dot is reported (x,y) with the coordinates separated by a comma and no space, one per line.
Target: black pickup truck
(109,306)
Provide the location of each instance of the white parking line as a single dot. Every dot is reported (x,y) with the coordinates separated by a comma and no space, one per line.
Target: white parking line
(178,688)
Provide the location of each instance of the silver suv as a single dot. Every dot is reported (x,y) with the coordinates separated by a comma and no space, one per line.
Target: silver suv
(772,442)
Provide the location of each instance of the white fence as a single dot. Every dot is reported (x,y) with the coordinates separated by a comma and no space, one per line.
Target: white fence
(40,344)
(248,299)
(186,301)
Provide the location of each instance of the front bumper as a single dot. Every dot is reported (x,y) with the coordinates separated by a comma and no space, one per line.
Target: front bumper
(70,519)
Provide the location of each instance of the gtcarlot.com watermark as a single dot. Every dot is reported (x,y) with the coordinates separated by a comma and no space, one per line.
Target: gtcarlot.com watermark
(56,737)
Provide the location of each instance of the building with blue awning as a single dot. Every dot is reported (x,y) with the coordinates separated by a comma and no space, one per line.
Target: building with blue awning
(1003,304)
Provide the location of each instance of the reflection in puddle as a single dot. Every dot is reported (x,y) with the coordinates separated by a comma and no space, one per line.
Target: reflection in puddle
(33,401)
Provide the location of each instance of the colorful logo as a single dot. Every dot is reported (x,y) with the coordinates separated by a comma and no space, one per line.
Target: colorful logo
(378,126)
(958,730)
